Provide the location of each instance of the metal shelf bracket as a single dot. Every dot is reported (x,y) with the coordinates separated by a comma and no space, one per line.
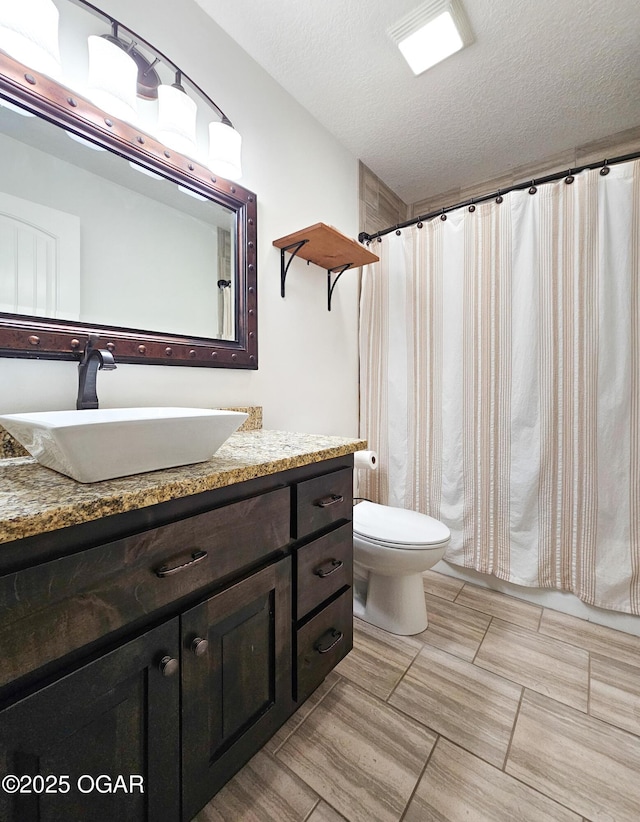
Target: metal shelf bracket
(330,286)
(285,268)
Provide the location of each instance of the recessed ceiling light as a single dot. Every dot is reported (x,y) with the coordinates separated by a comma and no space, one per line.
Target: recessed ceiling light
(431,33)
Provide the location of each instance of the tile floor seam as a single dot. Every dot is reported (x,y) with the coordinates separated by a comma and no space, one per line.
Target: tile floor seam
(484,636)
(402,676)
(419,780)
(502,770)
(589,685)
(513,729)
(565,685)
(502,617)
(422,724)
(521,781)
(293,775)
(530,688)
(312,811)
(404,673)
(319,702)
(387,704)
(591,624)
(324,800)
(600,751)
(597,719)
(437,596)
(459,592)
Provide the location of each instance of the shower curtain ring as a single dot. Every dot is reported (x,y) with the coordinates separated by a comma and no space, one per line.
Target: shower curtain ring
(569,178)
(398,232)
(499,198)
(605,169)
(533,188)
(443,216)
(472,207)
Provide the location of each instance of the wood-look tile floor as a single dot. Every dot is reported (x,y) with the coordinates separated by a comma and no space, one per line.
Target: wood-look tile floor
(501,711)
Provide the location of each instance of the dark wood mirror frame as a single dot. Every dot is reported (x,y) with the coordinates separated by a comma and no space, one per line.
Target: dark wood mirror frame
(42,338)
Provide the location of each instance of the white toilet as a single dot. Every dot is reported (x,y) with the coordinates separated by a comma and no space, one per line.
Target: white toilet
(391,549)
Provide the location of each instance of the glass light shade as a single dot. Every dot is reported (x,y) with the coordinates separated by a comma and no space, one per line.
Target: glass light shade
(29,33)
(224,151)
(113,78)
(176,120)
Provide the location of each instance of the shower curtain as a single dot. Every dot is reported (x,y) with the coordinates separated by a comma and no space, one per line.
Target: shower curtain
(500,383)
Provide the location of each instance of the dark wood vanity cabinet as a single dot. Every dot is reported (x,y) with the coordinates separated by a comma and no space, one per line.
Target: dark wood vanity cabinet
(69,741)
(168,655)
(236,678)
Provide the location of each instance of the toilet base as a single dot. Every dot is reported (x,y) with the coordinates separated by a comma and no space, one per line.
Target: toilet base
(395,604)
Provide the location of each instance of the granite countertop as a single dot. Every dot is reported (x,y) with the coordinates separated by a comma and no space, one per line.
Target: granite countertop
(34,499)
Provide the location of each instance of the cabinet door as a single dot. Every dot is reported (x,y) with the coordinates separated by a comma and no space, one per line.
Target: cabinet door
(236,679)
(116,716)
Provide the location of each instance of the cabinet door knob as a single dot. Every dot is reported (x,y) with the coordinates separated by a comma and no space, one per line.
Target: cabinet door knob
(199,646)
(168,666)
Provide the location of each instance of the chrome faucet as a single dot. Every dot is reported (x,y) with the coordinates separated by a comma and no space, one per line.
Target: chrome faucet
(92,360)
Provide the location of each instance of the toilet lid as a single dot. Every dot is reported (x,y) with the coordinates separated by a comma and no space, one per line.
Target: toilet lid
(398,526)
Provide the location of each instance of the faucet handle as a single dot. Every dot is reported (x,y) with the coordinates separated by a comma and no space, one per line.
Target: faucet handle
(107,361)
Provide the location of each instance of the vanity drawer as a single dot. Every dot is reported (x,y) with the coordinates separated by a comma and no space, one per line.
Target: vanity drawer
(52,609)
(323,567)
(322,643)
(323,500)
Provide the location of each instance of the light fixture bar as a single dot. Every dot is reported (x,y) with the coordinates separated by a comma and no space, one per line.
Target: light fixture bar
(157,56)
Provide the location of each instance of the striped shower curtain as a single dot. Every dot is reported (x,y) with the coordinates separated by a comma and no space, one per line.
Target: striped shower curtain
(500,383)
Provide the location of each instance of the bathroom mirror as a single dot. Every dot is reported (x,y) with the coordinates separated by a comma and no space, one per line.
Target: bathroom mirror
(105,231)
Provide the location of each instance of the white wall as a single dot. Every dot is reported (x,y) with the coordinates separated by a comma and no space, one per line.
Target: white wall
(307,380)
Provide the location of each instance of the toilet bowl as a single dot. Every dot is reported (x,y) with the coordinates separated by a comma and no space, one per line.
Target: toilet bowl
(391,549)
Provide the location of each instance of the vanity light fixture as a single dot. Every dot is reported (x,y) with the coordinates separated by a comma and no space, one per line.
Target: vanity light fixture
(431,33)
(225,145)
(177,117)
(118,74)
(147,80)
(29,33)
(113,78)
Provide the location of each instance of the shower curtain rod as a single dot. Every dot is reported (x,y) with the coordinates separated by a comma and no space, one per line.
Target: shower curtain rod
(532,184)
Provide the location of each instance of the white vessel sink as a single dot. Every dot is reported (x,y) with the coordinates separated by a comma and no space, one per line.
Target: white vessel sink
(101,444)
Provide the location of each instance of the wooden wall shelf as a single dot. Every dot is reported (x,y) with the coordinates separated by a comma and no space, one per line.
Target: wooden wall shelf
(326,247)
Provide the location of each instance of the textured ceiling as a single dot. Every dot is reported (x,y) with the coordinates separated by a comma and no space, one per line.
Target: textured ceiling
(542,77)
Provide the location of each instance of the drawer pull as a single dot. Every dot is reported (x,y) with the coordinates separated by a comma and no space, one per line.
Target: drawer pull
(336,564)
(332,499)
(332,636)
(168,570)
